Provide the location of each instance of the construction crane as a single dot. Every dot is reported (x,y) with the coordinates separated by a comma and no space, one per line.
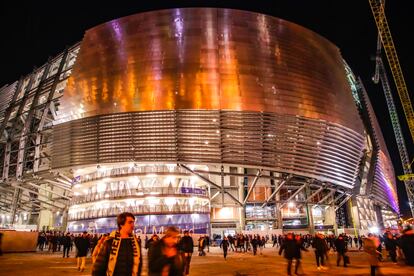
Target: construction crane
(377,7)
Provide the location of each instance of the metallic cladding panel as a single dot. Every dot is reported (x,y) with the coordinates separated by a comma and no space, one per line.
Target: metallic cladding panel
(208,58)
(383,180)
(283,143)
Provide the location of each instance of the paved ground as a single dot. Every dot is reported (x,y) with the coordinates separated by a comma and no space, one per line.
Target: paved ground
(37,264)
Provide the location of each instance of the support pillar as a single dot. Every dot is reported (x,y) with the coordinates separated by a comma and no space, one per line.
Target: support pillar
(15,202)
(311,225)
(242,210)
(278,211)
(45,219)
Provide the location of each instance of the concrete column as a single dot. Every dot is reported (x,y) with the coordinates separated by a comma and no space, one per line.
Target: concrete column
(330,217)
(242,211)
(64,219)
(310,219)
(278,210)
(45,219)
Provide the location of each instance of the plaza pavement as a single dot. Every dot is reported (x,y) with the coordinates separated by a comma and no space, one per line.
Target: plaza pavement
(240,264)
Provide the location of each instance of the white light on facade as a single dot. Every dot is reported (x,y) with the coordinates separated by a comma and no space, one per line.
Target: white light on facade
(374,230)
(191,201)
(291,204)
(170,201)
(169,179)
(152,201)
(101,187)
(225,213)
(193,179)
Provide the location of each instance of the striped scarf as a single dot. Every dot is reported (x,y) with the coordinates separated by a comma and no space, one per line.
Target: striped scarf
(113,256)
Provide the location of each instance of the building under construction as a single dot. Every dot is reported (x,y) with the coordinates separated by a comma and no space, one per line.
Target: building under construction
(210,119)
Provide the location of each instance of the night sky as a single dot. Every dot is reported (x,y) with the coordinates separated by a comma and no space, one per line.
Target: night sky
(32,32)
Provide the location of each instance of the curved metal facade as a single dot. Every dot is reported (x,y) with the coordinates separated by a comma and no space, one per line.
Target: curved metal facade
(382,181)
(301,146)
(210,85)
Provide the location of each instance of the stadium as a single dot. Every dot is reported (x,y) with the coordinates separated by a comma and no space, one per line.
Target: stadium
(213,120)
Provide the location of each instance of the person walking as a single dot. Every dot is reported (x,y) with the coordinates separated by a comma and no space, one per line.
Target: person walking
(207,242)
(262,243)
(291,249)
(255,243)
(340,246)
(164,258)
(407,245)
(66,241)
(225,245)
(201,246)
(370,247)
(120,253)
(321,249)
(154,238)
(82,246)
(186,247)
(391,246)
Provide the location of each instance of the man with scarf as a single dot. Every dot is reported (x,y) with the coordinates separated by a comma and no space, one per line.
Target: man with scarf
(120,253)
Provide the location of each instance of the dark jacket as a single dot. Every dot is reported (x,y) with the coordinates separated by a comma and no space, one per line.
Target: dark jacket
(340,245)
(124,261)
(407,245)
(289,247)
(82,245)
(299,248)
(224,244)
(390,244)
(320,245)
(157,261)
(66,241)
(186,244)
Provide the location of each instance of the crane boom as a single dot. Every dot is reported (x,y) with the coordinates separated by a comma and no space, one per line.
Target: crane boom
(402,150)
(384,31)
(380,74)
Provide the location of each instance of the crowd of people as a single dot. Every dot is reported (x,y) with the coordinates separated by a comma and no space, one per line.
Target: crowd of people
(120,253)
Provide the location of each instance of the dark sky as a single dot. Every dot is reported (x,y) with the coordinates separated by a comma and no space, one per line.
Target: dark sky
(31,32)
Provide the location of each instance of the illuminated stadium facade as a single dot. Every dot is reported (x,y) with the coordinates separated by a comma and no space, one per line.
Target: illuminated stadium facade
(210,119)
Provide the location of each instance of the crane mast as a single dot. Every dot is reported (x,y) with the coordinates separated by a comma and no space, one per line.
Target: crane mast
(380,74)
(385,34)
